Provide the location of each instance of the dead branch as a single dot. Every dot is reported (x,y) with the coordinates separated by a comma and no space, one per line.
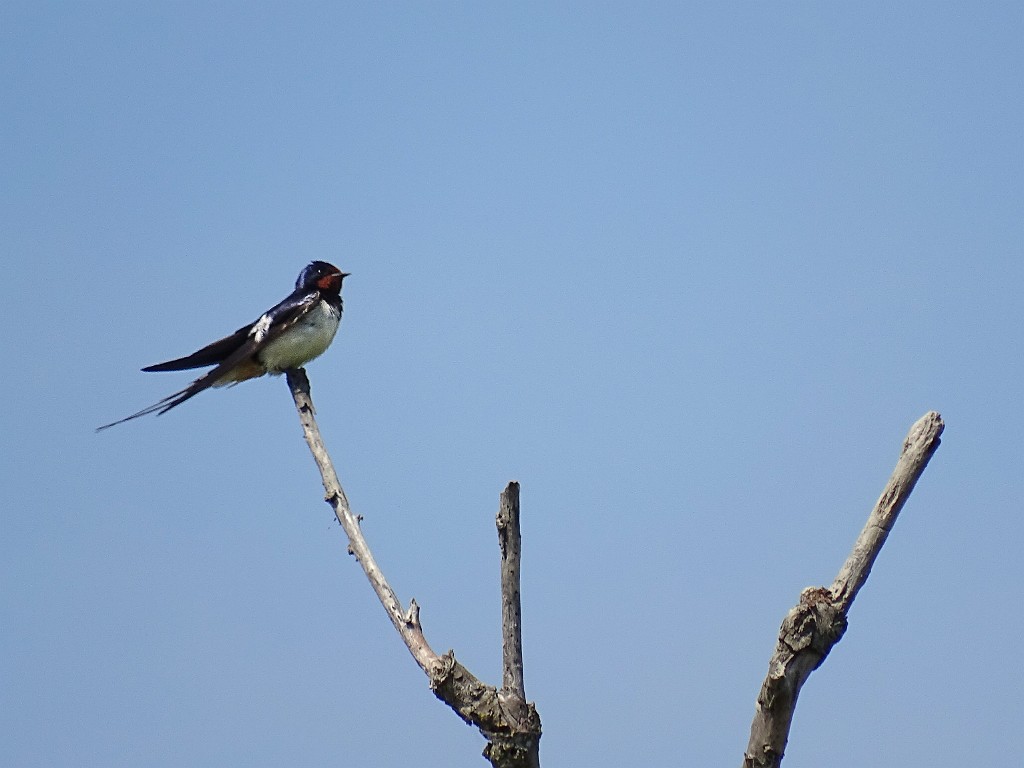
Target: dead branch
(510,724)
(512,695)
(817,623)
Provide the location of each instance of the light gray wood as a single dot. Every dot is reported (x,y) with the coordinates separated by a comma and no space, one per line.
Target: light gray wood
(818,621)
(510,724)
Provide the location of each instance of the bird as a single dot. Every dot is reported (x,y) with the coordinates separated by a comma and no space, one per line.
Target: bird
(286,336)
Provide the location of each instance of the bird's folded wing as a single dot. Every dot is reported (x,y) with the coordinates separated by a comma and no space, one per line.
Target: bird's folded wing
(211,354)
(285,315)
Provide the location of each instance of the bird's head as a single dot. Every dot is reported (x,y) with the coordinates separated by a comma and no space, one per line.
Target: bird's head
(321,275)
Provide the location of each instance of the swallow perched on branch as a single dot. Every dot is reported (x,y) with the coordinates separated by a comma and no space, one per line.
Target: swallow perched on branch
(286,336)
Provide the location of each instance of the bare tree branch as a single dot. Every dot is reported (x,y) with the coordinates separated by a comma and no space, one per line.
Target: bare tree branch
(921,442)
(513,691)
(406,622)
(817,623)
(512,729)
(510,541)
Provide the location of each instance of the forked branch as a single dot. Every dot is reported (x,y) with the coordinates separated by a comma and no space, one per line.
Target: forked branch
(510,724)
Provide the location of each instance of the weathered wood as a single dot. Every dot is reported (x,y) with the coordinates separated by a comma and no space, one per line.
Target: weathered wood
(921,442)
(818,621)
(407,623)
(512,729)
(510,541)
(526,739)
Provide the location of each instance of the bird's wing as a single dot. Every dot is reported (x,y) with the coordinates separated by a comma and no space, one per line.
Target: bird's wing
(211,354)
(271,325)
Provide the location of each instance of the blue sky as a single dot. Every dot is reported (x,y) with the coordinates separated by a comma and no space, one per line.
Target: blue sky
(688,273)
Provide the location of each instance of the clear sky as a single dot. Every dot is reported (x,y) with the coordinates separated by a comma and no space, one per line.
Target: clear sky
(688,272)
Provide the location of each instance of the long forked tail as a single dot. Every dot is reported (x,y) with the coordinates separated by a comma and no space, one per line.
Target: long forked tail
(161,407)
(236,367)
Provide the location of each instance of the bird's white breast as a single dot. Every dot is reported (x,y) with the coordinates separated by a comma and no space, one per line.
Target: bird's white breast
(307,339)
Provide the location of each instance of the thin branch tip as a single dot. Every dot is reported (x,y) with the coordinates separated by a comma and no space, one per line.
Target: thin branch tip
(510,544)
(928,427)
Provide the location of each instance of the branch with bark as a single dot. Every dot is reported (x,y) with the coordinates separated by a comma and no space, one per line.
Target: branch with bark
(508,722)
(511,724)
(818,621)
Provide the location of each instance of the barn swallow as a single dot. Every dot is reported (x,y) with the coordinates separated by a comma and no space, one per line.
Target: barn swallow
(286,336)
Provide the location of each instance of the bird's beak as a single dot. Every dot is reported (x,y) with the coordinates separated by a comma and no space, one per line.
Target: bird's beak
(344,274)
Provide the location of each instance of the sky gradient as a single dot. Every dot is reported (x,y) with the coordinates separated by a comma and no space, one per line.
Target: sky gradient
(686,272)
